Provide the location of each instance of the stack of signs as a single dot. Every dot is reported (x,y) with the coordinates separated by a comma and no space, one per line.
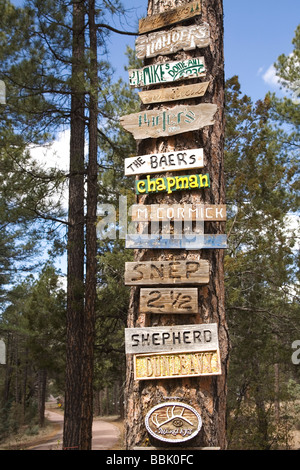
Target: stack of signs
(186,350)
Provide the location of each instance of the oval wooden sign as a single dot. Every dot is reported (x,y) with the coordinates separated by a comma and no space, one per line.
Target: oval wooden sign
(173,422)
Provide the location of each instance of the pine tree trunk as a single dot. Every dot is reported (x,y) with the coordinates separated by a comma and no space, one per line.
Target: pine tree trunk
(42,383)
(91,247)
(206,394)
(75,288)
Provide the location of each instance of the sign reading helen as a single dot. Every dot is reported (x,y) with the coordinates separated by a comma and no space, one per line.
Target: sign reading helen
(171,161)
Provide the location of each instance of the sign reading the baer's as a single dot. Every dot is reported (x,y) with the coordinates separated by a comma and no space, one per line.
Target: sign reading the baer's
(161,123)
(169,301)
(169,72)
(150,23)
(182,338)
(149,273)
(171,161)
(174,40)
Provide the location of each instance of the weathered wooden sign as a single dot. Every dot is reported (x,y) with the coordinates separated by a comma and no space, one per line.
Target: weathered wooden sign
(149,273)
(151,23)
(173,40)
(163,212)
(169,301)
(173,422)
(161,123)
(176,365)
(170,184)
(2,92)
(169,72)
(166,339)
(173,94)
(170,161)
(176,242)
(2,352)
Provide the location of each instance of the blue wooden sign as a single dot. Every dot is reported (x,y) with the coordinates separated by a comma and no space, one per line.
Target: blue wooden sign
(188,242)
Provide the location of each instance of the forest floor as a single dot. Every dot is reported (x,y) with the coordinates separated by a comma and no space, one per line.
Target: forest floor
(51,432)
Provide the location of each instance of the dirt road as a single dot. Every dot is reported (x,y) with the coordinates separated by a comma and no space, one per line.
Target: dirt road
(105,435)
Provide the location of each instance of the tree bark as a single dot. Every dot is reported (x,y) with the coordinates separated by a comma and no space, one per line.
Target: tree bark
(206,394)
(75,287)
(91,246)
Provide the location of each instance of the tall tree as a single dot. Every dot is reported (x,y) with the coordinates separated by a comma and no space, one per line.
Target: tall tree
(207,394)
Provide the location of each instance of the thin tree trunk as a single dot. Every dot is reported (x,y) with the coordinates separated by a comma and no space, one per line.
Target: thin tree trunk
(91,246)
(75,288)
(42,383)
(206,394)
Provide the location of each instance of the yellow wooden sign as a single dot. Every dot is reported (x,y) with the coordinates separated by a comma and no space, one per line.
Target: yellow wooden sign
(168,366)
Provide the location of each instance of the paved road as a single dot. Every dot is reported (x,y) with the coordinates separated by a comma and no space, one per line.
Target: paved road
(105,435)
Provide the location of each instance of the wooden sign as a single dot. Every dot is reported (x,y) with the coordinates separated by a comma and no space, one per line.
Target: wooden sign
(2,92)
(176,365)
(171,41)
(162,123)
(173,422)
(166,339)
(169,72)
(149,273)
(169,301)
(172,242)
(171,212)
(160,162)
(170,184)
(173,94)
(151,23)
(2,352)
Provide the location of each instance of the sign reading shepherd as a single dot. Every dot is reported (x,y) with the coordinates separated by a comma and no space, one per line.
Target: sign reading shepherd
(174,94)
(185,338)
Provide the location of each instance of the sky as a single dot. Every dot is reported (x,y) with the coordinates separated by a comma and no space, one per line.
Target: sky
(256,32)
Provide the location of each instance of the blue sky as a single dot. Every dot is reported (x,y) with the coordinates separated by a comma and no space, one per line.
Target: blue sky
(256,33)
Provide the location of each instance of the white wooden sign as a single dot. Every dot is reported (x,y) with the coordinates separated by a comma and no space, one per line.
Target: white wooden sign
(182,338)
(174,94)
(2,352)
(168,72)
(173,40)
(162,123)
(161,162)
(151,23)
(163,212)
(173,422)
